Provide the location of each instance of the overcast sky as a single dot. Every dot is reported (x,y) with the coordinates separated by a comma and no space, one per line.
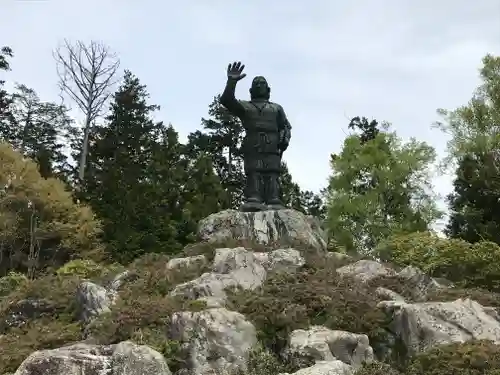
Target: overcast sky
(326,61)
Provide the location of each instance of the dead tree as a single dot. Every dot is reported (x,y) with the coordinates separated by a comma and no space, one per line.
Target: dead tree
(87,75)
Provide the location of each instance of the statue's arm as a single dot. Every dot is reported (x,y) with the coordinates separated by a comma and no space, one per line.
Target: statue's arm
(285,129)
(228,100)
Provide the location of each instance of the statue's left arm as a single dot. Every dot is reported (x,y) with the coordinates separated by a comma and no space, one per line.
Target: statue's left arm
(285,129)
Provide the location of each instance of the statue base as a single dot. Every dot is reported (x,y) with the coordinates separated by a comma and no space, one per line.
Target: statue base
(252,207)
(266,227)
(256,207)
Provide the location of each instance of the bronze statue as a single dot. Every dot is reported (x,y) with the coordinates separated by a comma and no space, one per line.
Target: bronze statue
(267,137)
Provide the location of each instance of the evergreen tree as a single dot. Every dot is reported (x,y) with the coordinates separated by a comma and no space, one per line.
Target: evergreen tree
(475,201)
(222,140)
(5,100)
(37,129)
(473,149)
(125,184)
(379,186)
(202,195)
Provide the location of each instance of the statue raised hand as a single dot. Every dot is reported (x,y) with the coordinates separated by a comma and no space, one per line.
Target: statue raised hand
(234,71)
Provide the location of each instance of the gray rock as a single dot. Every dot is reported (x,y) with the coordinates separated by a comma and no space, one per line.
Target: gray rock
(264,227)
(237,268)
(125,358)
(388,294)
(423,283)
(216,340)
(365,270)
(422,326)
(326,368)
(93,300)
(323,344)
(177,263)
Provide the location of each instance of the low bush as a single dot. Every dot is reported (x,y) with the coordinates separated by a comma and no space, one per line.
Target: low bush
(143,310)
(40,334)
(10,282)
(312,296)
(471,358)
(377,368)
(468,265)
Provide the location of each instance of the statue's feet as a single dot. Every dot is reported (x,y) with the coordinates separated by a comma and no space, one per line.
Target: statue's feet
(253,205)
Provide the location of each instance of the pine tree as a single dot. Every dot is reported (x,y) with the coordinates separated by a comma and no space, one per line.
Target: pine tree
(222,140)
(38,129)
(122,184)
(5,54)
(475,201)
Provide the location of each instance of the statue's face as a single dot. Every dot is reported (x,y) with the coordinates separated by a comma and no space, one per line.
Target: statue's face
(260,88)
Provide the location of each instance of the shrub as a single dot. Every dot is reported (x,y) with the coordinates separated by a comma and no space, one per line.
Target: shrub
(58,295)
(40,212)
(481,296)
(143,310)
(88,269)
(310,297)
(10,282)
(377,368)
(19,343)
(471,358)
(476,265)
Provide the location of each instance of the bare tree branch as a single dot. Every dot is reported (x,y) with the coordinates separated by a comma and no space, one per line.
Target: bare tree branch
(86,75)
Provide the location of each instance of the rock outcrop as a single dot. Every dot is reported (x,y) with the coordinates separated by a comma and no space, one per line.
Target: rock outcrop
(237,268)
(323,344)
(422,326)
(264,227)
(125,358)
(215,340)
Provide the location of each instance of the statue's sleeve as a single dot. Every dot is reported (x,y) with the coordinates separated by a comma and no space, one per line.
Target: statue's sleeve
(228,100)
(285,126)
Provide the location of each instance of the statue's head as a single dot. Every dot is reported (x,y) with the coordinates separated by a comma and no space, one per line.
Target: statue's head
(260,89)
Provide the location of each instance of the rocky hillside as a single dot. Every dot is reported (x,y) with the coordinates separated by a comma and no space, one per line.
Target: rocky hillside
(259,294)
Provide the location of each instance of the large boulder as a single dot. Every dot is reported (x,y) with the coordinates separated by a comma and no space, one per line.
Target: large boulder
(423,326)
(125,358)
(236,268)
(263,227)
(323,344)
(215,341)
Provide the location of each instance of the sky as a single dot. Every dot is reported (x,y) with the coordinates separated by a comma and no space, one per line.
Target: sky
(326,61)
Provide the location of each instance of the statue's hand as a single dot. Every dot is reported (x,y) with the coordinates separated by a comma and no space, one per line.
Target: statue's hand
(283,140)
(234,71)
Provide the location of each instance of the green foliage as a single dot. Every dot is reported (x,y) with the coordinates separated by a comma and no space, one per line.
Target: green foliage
(475,201)
(36,129)
(473,149)
(40,225)
(378,187)
(143,310)
(16,346)
(293,196)
(468,265)
(318,297)
(10,282)
(473,128)
(471,358)
(87,269)
(221,139)
(377,368)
